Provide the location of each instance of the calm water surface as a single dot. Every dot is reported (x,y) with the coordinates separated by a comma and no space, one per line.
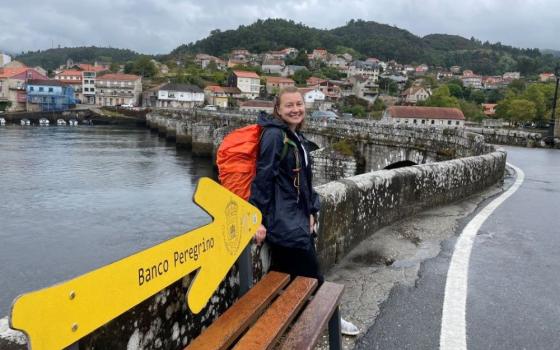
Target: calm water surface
(76,198)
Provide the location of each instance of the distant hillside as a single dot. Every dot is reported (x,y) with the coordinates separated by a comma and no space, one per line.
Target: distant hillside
(260,36)
(555,53)
(370,38)
(53,58)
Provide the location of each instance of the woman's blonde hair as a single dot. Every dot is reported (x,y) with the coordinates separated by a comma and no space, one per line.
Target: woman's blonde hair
(278,98)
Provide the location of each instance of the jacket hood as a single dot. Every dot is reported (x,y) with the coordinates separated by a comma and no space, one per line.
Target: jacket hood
(268,120)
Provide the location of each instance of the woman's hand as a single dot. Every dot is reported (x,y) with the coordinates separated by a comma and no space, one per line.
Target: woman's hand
(311,224)
(260,235)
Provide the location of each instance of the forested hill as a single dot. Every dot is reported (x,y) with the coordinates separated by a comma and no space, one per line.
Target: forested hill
(52,58)
(368,38)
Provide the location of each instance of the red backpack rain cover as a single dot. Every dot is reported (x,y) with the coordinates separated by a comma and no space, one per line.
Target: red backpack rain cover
(237,159)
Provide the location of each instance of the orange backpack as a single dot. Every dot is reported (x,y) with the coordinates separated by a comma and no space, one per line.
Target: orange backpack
(237,158)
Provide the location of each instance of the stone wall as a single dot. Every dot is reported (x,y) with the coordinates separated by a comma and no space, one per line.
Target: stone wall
(356,207)
(329,165)
(510,137)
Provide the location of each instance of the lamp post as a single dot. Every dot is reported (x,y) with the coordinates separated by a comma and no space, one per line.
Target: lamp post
(555,127)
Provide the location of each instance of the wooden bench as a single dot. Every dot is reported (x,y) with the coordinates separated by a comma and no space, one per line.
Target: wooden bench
(260,319)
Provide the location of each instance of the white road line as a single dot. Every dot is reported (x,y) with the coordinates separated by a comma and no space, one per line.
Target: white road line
(453,321)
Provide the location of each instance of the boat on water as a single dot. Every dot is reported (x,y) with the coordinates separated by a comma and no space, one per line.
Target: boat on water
(60,121)
(2,121)
(44,122)
(25,121)
(73,122)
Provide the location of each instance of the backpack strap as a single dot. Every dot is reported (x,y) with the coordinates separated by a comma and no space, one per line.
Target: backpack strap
(285,148)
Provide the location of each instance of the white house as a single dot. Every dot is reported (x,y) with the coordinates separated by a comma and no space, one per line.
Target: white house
(248,82)
(369,69)
(256,106)
(313,97)
(179,96)
(272,66)
(415,94)
(428,116)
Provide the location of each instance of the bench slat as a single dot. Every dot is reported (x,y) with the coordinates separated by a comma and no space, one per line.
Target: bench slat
(233,322)
(309,326)
(271,325)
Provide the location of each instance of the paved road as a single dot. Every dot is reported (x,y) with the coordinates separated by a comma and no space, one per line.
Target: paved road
(513,298)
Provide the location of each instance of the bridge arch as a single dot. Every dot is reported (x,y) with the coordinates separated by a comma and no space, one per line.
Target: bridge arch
(400,164)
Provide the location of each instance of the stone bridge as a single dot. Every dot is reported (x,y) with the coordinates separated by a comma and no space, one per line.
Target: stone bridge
(372,146)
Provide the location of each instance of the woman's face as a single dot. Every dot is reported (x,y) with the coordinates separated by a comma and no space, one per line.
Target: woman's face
(291,109)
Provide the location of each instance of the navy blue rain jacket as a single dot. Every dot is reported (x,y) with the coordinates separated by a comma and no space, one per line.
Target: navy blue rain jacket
(273,191)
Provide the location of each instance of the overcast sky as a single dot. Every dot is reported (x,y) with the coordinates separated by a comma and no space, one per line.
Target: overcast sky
(159,26)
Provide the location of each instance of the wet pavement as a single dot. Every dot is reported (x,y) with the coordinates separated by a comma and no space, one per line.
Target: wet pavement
(395,281)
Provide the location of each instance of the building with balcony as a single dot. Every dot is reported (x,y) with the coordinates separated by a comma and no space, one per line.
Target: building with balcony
(275,84)
(248,82)
(179,96)
(364,68)
(71,77)
(49,95)
(118,89)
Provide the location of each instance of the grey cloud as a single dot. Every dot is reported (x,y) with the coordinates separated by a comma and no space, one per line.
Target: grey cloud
(160,26)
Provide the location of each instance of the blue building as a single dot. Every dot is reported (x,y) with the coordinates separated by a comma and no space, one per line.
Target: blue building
(49,95)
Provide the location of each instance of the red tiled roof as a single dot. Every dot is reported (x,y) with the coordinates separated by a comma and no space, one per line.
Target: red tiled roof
(314,81)
(245,74)
(10,72)
(91,68)
(70,72)
(118,76)
(214,88)
(425,112)
(279,80)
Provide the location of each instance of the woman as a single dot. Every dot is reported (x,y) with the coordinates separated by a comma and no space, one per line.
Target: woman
(283,192)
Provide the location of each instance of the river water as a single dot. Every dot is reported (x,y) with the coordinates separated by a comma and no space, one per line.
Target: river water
(76,198)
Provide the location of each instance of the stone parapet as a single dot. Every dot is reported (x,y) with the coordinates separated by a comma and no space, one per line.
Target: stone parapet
(356,207)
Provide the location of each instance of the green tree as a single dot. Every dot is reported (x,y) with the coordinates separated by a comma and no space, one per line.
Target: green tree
(517,86)
(301,76)
(300,59)
(471,110)
(494,96)
(521,110)
(477,96)
(455,90)
(4,105)
(534,94)
(114,67)
(379,105)
(442,98)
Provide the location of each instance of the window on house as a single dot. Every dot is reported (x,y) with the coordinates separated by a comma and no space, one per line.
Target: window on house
(449,122)
(51,89)
(423,121)
(414,121)
(433,122)
(31,88)
(41,89)
(457,123)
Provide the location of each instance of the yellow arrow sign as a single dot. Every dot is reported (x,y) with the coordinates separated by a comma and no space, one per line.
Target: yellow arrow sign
(58,316)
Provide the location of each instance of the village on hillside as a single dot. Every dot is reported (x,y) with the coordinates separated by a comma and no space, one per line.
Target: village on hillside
(333,86)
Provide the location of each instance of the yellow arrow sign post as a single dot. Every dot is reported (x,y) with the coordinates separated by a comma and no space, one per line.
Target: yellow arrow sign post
(58,316)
